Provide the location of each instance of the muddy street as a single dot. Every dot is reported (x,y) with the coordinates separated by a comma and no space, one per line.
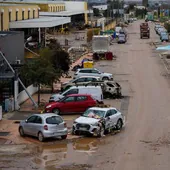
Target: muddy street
(144,142)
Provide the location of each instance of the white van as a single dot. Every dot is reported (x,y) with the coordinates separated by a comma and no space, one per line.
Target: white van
(94,91)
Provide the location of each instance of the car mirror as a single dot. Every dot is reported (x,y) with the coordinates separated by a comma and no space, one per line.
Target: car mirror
(26,121)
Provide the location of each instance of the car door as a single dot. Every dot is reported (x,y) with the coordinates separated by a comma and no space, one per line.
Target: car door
(81,104)
(71,91)
(29,125)
(95,72)
(114,117)
(80,80)
(37,126)
(68,105)
(108,119)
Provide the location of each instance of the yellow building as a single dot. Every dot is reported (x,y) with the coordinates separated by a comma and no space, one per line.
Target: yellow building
(16,12)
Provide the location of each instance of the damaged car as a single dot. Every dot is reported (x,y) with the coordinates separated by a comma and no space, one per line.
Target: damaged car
(97,121)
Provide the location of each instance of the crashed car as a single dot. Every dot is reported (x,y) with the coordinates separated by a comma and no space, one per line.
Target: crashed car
(96,121)
(111,89)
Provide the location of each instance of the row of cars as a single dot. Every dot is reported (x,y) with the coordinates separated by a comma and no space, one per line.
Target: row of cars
(162,32)
(77,97)
(94,121)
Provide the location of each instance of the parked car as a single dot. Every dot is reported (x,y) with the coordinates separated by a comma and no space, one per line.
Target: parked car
(94,91)
(111,89)
(80,80)
(96,121)
(161,30)
(121,38)
(44,126)
(158,27)
(93,72)
(164,36)
(75,103)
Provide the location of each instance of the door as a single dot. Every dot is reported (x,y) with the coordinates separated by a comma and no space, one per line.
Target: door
(71,91)
(37,126)
(108,118)
(114,116)
(68,105)
(81,104)
(95,73)
(29,125)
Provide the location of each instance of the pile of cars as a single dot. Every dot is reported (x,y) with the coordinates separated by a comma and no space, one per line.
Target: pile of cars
(162,32)
(82,94)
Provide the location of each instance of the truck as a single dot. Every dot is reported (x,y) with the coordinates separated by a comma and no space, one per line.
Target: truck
(144,30)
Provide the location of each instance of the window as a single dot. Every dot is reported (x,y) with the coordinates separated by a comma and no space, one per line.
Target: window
(95,71)
(94,79)
(81,98)
(38,120)
(28,14)
(69,99)
(2,21)
(32,119)
(10,16)
(80,80)
(16,15)
(22,15)
(109,113)
(72,91)
(85,71)
(54,120)
(89,79)
(113,111)
(33,13)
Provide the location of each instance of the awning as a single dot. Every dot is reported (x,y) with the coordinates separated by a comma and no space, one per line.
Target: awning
(42,22)
(62,13)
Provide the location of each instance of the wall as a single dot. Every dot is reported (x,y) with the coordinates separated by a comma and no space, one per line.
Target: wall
(22,96)
(74,6)
(10,48)
(13,8)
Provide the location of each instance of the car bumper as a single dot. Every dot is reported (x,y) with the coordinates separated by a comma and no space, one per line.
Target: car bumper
(49,134)
(92,130)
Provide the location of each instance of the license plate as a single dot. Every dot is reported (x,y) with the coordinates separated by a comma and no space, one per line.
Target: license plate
(82,128)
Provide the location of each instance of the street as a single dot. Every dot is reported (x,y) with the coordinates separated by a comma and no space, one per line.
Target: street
(144,143)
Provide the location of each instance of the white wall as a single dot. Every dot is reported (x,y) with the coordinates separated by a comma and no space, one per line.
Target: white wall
(74,6)
(22,96)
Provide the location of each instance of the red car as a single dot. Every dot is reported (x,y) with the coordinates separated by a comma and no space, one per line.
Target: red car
(75,103)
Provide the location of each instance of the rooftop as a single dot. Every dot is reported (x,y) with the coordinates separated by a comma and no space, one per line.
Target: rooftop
(39,2)
(42,22)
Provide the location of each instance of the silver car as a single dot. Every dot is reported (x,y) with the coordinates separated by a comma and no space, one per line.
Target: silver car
(43,126)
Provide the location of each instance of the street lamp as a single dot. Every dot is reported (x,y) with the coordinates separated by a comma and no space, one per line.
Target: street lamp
(28,40)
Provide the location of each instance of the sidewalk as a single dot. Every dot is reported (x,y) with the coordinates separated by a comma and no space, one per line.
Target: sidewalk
(28,106)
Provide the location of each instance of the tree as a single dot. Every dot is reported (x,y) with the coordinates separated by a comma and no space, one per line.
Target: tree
(40,71)
(59,57)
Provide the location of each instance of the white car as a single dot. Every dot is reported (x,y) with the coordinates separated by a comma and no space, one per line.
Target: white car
(93,72)
(96,121)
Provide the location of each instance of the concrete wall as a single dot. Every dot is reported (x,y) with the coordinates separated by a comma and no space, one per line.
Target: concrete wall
(22,96)
(12,45)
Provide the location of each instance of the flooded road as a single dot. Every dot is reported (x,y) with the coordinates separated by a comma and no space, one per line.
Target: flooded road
(144,144)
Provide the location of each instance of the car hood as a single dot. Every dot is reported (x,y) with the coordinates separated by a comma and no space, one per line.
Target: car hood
(56,97)
(107,74)
(87,120)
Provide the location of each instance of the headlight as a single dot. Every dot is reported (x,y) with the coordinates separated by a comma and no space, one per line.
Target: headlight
(95,124)
(48,106)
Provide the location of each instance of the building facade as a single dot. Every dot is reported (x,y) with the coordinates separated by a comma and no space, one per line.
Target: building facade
(16,12)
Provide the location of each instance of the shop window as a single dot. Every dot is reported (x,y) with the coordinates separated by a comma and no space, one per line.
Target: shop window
(2,21)
(16,16)
(29,14)
(9,16)
(22,15)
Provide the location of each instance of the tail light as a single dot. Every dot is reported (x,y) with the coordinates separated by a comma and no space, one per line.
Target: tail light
(45,127)
(65,124)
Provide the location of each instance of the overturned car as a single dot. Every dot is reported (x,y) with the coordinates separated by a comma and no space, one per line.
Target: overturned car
(97,121)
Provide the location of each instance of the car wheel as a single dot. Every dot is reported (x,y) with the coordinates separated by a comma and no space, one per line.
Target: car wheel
(119,124)
(56,111)
(40,137)
(64,137)
(101,132)
(21,131)
(105,78)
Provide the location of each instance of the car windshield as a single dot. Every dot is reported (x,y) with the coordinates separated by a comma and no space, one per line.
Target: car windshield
(54,120)
(97,114)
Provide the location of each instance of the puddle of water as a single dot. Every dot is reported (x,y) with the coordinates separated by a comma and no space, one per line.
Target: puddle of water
(52,156)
